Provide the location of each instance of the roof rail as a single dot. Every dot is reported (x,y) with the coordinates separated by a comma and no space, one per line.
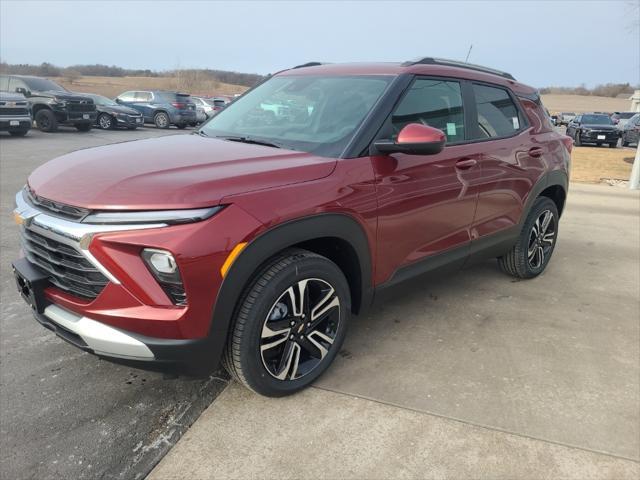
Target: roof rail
(455,63)
(308,64)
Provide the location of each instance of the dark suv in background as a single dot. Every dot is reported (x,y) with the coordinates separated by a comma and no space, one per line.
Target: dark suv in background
(52,104)
(595,128)
(161,108)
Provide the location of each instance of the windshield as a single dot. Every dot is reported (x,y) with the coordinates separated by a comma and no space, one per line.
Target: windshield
(42,85)
(100,100)
(310,114)
(596,120)
(625,115)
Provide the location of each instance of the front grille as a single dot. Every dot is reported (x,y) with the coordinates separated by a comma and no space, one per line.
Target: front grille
(81,107)
(55,208)
(10,111)
(68,269)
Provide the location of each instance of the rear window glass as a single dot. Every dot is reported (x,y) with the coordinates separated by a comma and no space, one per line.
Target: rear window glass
(498,115)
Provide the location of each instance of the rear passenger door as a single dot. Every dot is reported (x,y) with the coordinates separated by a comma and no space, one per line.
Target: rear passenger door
(511,159)
(143,103)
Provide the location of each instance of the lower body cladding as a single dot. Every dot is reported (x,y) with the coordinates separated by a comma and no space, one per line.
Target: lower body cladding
(90,284)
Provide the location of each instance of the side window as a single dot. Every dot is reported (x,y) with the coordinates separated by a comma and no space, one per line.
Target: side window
(498,116)
(4,84)
(142,97)
(126,97)
(437,103)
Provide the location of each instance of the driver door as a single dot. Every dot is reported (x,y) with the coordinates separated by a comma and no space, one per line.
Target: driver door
(426,203)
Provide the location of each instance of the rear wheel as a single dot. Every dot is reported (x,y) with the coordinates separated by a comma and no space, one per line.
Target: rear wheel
(532,252)
(289,324)
(576,138)
(161,120)
(46,121)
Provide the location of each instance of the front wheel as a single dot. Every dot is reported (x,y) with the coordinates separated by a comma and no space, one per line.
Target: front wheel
(576,138)
(289,325)
(105,121)
(46,121)
(530,255)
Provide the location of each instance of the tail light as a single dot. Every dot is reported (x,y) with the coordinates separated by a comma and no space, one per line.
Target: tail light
(568,143)
(179,105)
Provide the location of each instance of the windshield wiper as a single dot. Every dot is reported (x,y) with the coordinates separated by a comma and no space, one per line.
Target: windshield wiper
(253,141)
(200,132)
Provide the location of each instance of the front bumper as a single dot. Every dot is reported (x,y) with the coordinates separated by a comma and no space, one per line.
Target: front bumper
(24,123)
(184,118)
(129,121)
(132,319)
(67,117)
(596,136)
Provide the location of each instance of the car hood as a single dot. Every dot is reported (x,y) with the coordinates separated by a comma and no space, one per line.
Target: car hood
(63,95)
(117,109)
(11,97)
(179,171)
(598,127)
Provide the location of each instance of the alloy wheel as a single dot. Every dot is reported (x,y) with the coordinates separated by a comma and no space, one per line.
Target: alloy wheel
(105,122)
(300,329)
(541,238)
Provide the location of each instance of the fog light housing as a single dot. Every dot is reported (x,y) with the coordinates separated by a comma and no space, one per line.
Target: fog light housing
(164,268)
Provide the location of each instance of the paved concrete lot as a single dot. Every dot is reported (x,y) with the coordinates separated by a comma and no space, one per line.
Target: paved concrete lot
(64,413)
(474,375)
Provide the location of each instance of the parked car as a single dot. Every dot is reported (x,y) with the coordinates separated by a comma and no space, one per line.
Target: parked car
(631,131)
(254,243)
(52,104)
(161,108)
(218,103)
(204,110)
(112,114)
(566,117)
(593,128)
(15,114)
(621,118)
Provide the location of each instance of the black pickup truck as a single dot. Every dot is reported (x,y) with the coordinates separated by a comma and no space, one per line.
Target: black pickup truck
(15,114)
(52,104)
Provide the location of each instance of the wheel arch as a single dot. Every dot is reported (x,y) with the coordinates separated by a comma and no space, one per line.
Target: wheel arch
(37,107)
(554,185)
(339,237)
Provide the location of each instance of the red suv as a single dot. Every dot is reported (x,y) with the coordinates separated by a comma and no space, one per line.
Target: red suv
(253,240)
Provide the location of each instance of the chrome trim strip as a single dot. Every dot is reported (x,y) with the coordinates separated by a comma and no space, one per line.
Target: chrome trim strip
(101,338)
(74,234)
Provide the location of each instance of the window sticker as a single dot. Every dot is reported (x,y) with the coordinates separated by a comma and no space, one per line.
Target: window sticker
(516,123)
(451,129)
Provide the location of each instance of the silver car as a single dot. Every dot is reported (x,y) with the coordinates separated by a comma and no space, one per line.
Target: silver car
(204,110)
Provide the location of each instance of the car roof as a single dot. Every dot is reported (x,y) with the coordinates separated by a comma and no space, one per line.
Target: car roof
(459,70)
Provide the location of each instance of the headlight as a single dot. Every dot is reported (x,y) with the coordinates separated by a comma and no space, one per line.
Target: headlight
(164,268)
(60,103)
(170,217)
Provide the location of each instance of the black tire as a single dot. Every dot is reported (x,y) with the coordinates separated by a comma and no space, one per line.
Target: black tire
(519,262)
(83,127)
(106,121)
(18,133)
(625,143)
(161,120)
(613,145)
(299,346)
(46,121)
(181,126)
(576,139)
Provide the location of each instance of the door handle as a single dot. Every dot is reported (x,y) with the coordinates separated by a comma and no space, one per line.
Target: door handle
(466,163)
(535,152)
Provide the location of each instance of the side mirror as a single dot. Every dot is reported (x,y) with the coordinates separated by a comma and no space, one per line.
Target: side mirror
(414,139)
(23,91)
(118,100)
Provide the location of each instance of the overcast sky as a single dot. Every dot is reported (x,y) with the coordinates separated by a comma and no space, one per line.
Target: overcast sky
(542,43)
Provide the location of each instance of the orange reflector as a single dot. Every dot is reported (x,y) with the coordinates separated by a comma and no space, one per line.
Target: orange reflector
(17,218)
(230,259)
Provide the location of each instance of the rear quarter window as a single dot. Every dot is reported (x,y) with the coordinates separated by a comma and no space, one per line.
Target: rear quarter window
(497,114)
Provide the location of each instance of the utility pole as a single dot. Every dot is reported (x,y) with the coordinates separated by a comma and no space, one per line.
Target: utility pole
(466,60)
(634,179)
